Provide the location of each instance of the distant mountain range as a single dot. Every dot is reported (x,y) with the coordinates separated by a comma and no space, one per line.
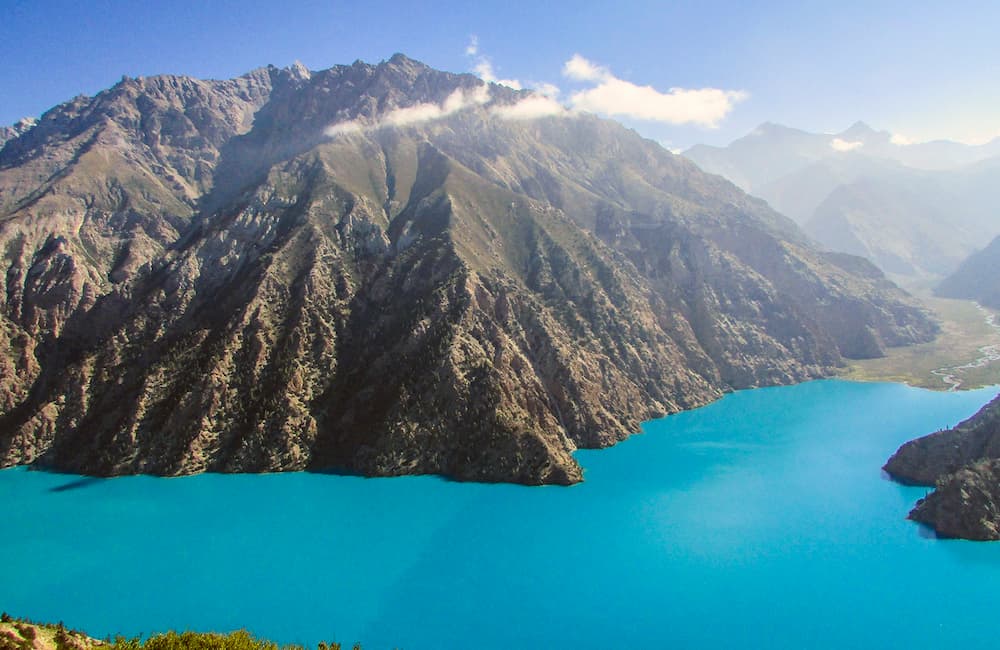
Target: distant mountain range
(978,278)
(387,269)
(916,210)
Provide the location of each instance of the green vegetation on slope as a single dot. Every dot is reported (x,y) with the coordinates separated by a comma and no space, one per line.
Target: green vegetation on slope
(23,634)
(239,640)
(964,332)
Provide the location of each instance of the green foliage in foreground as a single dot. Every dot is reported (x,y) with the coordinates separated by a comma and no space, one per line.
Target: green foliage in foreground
(240,640)
(25,632)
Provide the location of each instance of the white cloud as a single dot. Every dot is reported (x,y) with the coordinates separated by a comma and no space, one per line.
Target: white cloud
(545,88)
(581,69)
(344,128)
(484,70)
(530,108)
(614,96)
(541,103)
(472,49)
(459,100)
(900,140)
(414,114)
(838,144)
(669,146)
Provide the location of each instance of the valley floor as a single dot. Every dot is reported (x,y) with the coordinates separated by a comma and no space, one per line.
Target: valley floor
(963,356)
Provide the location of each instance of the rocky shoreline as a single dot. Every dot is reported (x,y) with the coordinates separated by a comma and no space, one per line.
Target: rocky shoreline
(963,465)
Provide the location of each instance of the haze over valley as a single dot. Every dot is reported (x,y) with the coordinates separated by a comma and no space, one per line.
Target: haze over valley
(917,210)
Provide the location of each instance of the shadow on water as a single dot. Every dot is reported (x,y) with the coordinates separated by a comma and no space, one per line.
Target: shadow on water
(77,484)
(337,471)
(927,532)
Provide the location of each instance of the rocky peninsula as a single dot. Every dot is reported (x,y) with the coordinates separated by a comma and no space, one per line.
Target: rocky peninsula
(963,465)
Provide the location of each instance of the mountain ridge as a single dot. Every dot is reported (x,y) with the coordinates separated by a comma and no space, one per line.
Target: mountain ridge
(975,279)
(466,294)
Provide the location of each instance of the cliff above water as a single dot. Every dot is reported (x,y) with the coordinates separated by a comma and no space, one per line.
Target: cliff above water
(964,466)
(385,269)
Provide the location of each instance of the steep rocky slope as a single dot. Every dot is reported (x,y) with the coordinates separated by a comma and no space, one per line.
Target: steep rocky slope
(964,465)
(965,504)
(205,276)
(16,130)
(978,278)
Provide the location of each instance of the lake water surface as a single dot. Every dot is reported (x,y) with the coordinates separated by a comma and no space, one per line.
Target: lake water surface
(761,520)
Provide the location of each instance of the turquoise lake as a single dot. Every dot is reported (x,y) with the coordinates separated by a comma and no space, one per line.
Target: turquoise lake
(760,521)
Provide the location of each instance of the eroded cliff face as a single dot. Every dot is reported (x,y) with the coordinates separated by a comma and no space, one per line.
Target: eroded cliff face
(965,504)
(963,464)
(199,277)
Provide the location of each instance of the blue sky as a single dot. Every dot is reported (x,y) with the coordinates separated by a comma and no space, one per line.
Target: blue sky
(920,69)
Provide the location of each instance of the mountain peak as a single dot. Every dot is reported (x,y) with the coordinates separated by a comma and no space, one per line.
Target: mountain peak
(400,60)
(858,129)
(299,71)
(770,127)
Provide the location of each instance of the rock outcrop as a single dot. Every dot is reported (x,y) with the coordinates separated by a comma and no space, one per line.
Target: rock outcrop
(17,634)
(964,466)
(374,269)
(16,130)
(965,504)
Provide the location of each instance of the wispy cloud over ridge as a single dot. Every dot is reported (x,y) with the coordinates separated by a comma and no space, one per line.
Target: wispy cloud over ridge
(472,49)
(839,144)
(610,95)
(484,70)
(607,95)
(482,67)
(349,127)
(530,108)
(458,100)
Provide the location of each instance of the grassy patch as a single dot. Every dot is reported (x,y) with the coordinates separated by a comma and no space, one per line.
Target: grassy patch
(963,332)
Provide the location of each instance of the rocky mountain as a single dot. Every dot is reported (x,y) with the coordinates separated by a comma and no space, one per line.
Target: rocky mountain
(915,210)
(964,466)
(977,278)
(387,269)
(16,130)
